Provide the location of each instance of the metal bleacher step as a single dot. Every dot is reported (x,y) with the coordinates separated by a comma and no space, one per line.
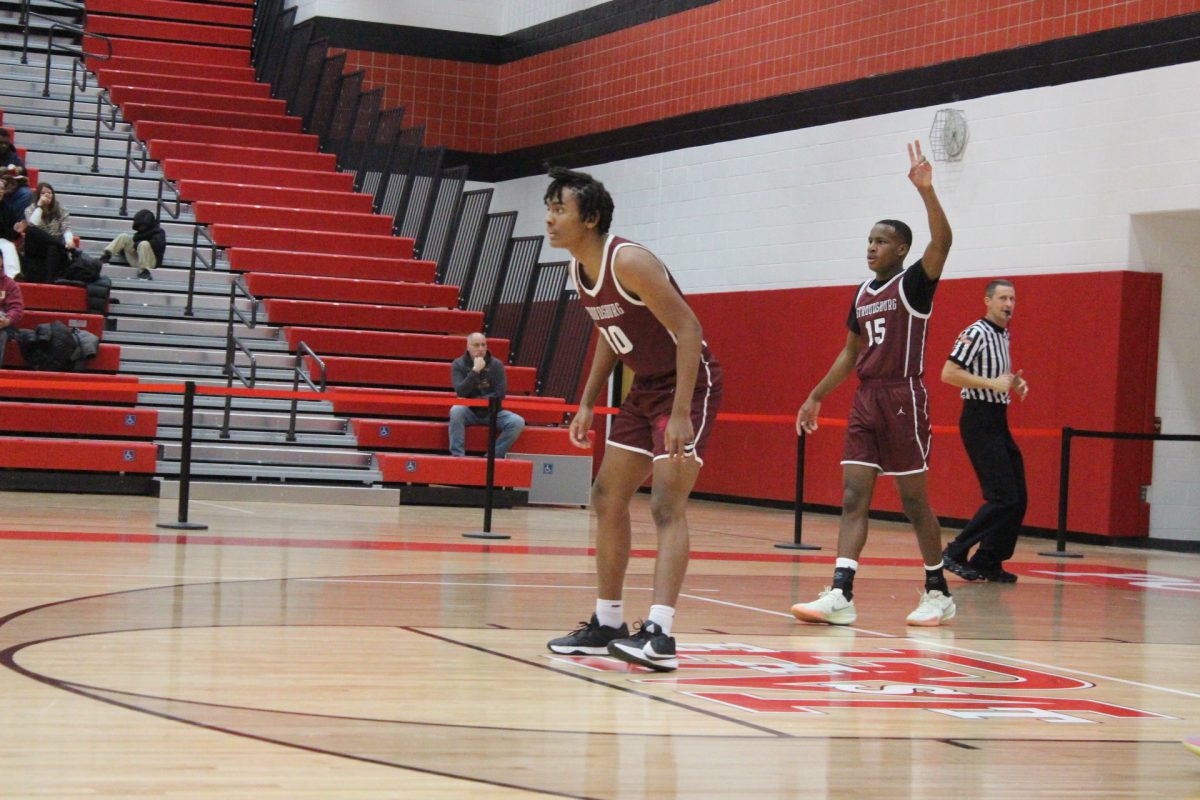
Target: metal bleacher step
(273,472)
(259,438)
(191,327)
(290,455)
(203,357)
(189,340)
(240,404)
(255,422)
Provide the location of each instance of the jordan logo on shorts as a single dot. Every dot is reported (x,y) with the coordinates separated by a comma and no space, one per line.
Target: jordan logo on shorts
(900,413)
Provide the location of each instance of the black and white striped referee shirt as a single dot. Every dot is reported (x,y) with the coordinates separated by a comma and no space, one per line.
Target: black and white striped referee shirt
(982,349)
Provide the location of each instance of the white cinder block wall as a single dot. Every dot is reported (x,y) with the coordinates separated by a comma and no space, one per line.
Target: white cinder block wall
(1053,180)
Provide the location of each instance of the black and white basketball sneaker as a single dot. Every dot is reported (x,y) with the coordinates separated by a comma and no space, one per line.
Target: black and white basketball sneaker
(589,639)
(648,646)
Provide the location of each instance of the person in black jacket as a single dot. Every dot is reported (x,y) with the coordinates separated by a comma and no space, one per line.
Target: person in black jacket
(143,249)
(477,375)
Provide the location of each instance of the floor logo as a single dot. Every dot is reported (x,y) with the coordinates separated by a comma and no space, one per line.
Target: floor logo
(807,682)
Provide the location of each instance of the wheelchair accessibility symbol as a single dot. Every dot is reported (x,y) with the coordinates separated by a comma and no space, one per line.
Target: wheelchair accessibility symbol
(410,466)
(128,455)
(384,431)
(547,469)
(131,419)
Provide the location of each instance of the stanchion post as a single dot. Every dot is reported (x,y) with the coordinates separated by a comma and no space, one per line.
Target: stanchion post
(1064,485)
(486,533)
(185,463)
(798,527)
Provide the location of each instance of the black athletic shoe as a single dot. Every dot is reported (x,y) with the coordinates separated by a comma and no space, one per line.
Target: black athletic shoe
(589,639)
(648,646)
(964,571)
(144,275)
(997,575)
(105,257)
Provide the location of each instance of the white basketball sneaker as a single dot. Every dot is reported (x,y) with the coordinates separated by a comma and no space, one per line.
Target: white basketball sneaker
(934,609)
(830,607)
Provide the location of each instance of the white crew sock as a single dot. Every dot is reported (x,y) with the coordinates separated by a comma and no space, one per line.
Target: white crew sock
(610,613)
(662,616)
(849,563)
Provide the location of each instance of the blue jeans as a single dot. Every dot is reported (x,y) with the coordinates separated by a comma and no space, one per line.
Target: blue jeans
(508,427)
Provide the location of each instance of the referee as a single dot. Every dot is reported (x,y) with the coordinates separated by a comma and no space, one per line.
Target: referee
(980,365)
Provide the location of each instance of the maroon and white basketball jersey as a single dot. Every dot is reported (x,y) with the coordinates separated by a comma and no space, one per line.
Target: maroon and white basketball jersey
(893,331)
(631,330)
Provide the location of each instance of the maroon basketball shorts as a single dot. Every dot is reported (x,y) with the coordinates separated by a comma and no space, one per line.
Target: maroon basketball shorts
(641,424)
(889,427)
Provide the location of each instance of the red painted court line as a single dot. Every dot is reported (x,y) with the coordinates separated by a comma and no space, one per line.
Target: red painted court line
(431,547)
(1095,574)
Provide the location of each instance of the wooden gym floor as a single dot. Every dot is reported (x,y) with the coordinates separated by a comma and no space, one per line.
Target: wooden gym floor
(335,652)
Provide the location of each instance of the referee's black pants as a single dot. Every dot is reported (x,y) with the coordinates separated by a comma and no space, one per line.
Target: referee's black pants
(1001,471)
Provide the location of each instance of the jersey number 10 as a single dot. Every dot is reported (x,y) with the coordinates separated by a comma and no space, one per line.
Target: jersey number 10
(874,331)
(616,339)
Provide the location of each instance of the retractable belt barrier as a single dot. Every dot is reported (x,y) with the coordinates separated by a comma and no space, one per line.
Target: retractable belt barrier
(416,397)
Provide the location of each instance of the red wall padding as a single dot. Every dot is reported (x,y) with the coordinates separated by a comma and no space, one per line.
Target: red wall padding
(1088,343)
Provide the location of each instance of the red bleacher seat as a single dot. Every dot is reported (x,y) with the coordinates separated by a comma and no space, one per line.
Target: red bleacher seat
(55,418)
(352,290)
(107,359)
(386,344)
(350,401)
(50,297)
(96,388)
(402,434)
(408,373)
(245,259)
(452,471)
(149,130)
(92,323)
(259,214)
(78,455)
(359,315)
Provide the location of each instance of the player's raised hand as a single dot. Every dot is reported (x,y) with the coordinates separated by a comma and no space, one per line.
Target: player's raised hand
(920,171)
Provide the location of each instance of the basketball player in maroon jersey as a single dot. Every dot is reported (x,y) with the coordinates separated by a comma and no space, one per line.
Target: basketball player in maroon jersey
(888,431)
(663,425)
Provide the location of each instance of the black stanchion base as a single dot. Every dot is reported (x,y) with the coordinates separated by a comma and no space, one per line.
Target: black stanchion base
(486,535)
(183,526)
(796,546)
(1056,554)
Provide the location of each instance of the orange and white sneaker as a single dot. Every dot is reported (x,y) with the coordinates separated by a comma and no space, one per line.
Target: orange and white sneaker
(934,609)
(830,607)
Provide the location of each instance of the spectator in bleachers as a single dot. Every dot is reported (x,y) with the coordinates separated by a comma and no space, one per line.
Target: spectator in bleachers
(12,212)
(48,238)
(144,248)
(10,160)
(12,307)
(477,375)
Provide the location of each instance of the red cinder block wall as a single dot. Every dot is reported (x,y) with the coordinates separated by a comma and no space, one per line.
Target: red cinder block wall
(1088,343)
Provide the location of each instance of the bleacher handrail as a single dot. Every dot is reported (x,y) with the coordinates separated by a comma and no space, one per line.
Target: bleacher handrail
(199,230)
(130,141)
(234,343)
(298,374)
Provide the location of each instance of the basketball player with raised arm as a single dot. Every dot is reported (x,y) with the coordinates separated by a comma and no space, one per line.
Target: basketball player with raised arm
(663,425)
(888,431)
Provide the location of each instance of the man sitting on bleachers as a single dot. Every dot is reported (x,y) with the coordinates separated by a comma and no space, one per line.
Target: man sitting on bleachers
(477,375)
(144,248)
(10,159)
(12,308)
(12,211)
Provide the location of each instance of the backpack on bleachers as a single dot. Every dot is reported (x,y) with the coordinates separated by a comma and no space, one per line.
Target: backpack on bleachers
(54,347)
(83,269)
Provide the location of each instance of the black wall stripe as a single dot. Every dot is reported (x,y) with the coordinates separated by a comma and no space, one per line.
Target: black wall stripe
(1097,55)
(480,48)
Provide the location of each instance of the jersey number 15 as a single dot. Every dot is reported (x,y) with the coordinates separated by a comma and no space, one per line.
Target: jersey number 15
(874,331)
